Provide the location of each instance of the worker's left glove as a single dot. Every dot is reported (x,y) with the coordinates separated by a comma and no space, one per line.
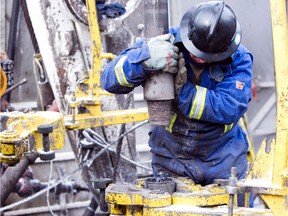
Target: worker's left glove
(181,76)
(163,54)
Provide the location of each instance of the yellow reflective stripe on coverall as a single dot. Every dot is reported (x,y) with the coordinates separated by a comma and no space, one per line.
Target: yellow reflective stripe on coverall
(198,103)
(121,78)
(228,127)
(172,122)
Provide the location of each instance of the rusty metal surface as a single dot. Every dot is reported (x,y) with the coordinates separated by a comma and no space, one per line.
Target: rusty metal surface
(159,112)
(159,86)
(12,174)
(166,184)
(78,10)
(59,47)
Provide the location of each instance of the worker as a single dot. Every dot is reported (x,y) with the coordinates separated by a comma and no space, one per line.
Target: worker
(204,139)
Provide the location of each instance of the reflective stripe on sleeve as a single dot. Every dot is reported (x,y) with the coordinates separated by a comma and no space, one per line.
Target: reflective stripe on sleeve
(198,103)
(228,127)
(172,122)
(119,72)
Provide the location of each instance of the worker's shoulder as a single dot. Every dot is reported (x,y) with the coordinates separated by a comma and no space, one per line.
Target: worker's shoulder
(242,52)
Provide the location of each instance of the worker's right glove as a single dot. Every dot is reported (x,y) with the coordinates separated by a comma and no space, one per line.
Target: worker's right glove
(163,54)
(181,76)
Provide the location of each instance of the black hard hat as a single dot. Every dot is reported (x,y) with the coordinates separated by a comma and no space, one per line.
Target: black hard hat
(210,31)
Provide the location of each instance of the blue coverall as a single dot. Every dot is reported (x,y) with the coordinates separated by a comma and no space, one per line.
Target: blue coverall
(204,139)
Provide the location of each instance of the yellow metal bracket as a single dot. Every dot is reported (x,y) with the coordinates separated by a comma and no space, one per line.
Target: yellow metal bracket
(20,134)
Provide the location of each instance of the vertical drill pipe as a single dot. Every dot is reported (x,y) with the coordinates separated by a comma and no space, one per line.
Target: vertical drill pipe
(11,176)
(159,86)
(155,17)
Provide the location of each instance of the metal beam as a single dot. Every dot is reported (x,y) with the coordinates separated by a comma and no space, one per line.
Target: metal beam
(2,24)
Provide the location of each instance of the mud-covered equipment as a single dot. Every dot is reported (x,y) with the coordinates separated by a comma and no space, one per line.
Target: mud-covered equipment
(211,31)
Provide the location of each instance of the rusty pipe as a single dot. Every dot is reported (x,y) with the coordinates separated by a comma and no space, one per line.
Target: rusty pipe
(8,90)
(12,174)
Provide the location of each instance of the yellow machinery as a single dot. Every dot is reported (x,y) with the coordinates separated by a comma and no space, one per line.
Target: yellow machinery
(44,132)
(188,199)
(40,132)
(3,82)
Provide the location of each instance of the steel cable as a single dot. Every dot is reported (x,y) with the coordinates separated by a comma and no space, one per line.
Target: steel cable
(120,140)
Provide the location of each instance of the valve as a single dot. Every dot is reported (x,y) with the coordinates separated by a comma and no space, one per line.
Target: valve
(46,153)
(232,189)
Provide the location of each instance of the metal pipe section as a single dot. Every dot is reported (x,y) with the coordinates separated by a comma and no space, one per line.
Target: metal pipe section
(8,90)
(232,183)
(159,85)
(45,209)
(12,174)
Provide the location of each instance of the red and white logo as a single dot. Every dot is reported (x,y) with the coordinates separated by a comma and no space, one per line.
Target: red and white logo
(240,85)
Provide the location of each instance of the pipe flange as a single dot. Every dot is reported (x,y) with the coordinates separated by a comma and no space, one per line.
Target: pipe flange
(46,155)
(165,184)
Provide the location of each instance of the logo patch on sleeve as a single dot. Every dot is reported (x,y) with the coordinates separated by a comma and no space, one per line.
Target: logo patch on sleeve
(240,85)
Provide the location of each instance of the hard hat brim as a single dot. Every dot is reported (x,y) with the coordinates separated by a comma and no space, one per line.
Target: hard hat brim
(206,56)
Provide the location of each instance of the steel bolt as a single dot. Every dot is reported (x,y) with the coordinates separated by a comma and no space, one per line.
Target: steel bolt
(46,154)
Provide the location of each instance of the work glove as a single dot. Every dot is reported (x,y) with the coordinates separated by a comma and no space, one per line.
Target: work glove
(181,76)
(163,54)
